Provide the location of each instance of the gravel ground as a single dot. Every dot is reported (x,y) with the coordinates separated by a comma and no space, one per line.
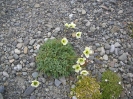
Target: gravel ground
(26,24)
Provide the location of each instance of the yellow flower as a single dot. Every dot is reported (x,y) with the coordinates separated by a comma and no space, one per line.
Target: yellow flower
(81,61)
(77,68)
(64,41)
(67,25)
(72,25)
(84,72)
(78,34)
(87,52)
(35,83)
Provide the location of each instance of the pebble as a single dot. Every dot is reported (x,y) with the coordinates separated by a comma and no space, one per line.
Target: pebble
(123,57)
(29,90)
(107,46)
(5,74)
(32,42)
(2,89)
(105,57)
(117,44)
(16,56)
(112,49)
(25,50)
(83,12)
(17,51)
(57,82)
(35,74)
(37,5)
(102,51)
(1,97)
(33,97)
(63,80)
(88,24)
(74,97)
(19,45)
(92,29)
(1,44)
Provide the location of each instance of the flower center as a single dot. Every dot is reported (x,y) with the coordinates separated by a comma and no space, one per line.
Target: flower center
(35,83)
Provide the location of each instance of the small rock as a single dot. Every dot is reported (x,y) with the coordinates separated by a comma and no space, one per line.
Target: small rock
(103,25)
(37,5)
(33,97)
(130,75)
(1,97)
(32,64)
(5,74)
(88,24)
(102,51)
(117,44)
(24,73)
(115,29)
(11,61)
(35,74)
(15,56)
(92,29)
(112,48)
(56,30)
(32,42)
(2,89)
(29,90)
(19,67)
(17,51)
(20,40)
(19,45)
(107,46)
(105,57)
(57,82)
(83,12)
(123,57)
(63,80)
(120,12)
(74,97)
(113,1)
(1,44)
(25,50)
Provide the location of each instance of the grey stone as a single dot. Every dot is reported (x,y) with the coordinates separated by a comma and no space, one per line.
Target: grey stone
(112,48)
(33,97)
(63,80)
(20,40)
(37,5)
(15,56)
(74,97)
(32,64)
(92,29)
(5,74)
(19,45)
(24,73)
(17,51)
(113,1)
(32,42)
(1,97)
(115,29)
(89,39)
(2,89)
(130,75)
(123,57)
(88,24)
(102,51)
(83,12)
(35,74)
(1,44)
(116,51)
(29,90)
(57,82)
(107,46)
(105,57)
(117,44)
(19,67)
(56,30)
(26,41)
(120,11)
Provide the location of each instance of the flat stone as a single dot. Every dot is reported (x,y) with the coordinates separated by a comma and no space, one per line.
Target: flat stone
(123,57)
(32,42)
(35,74)
(88,24)
(37,5)
(19,45)
(83,12)
(105,57)
(1,97)
(33,97)
(120,11)
(74,97)
(57,82)
(25,50)
(17,51)
(117,44)
(115,29)
(29,90)
(2,89)
(5,74)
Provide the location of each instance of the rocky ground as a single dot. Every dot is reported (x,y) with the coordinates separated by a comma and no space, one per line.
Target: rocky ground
(26,24)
